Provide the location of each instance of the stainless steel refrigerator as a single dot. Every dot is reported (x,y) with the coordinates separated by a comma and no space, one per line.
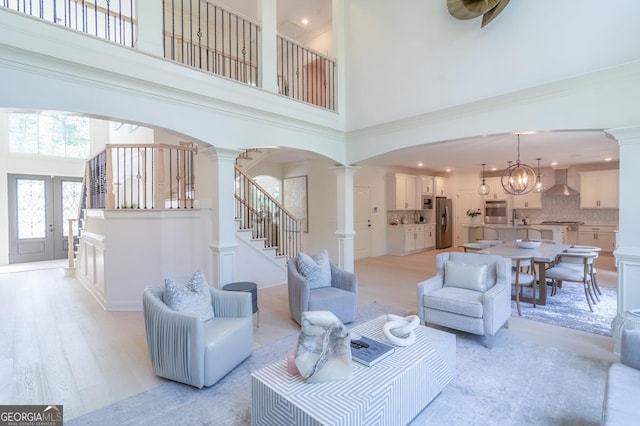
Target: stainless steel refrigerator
(444,222)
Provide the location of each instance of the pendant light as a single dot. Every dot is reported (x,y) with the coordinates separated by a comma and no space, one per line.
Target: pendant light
(518,178)
(484,188)
(539,188)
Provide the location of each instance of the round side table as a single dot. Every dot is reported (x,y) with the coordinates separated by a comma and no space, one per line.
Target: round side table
(247,286)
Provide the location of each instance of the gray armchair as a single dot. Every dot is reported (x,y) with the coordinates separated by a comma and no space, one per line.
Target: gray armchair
(186,349)
(471,298)
(341,297)
(623,383)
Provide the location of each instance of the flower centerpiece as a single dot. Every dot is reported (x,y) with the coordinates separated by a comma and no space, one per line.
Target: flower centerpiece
(474,215)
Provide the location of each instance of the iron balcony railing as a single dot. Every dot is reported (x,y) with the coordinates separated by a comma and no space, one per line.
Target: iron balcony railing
(142,176)
(306,75)
(112,20)
(205,36)
(257,210)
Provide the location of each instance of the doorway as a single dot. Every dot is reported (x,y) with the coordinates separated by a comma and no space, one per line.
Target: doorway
(39,209)
(362,221)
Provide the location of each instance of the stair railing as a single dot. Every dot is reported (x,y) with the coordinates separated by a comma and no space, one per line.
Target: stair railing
(142,176)
(256,209)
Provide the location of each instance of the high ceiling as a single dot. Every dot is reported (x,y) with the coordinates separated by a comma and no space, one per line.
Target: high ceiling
(564,148)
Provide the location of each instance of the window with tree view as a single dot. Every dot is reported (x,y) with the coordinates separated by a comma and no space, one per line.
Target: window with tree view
(56,135)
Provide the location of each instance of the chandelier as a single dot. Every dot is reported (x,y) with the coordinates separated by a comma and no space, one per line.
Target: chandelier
(484,188)
(519,178)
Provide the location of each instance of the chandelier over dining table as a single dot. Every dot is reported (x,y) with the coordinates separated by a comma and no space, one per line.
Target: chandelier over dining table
(520,178)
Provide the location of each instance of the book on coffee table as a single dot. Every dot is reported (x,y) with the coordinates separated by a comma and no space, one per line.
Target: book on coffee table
(368,351)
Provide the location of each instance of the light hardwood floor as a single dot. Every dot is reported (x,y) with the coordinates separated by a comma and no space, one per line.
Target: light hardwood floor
(58,346)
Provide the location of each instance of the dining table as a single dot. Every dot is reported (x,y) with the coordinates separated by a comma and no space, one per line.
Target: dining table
(542,255)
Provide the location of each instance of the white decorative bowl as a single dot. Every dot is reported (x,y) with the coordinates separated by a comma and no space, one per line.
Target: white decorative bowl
(527,244)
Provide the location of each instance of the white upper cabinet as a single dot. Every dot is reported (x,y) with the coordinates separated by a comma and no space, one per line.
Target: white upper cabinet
(599,189)
(532,200)
(441,186)
(401,192)
(496,191)
(426,184)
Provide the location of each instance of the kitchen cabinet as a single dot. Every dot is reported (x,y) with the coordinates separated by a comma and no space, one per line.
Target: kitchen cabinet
(405,239)
(429,236)
(495,188)
(426,184)
(441,186)
(401,192)
(599,189)
(532,200)
(602,236)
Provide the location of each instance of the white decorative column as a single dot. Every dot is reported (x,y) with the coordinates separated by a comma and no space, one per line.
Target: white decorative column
(627,252)
(223,228)
(149,27)
(267,12)
(345,231)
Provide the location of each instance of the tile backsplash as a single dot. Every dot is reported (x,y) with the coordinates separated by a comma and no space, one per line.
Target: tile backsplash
(568,209)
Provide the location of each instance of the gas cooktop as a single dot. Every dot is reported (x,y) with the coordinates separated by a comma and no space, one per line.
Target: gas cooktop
(560,222)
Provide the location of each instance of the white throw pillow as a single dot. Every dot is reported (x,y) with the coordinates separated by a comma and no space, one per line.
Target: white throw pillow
(192,297)
(463,275)
(315,269)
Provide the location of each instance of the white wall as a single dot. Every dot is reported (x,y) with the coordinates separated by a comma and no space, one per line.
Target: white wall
(433,61)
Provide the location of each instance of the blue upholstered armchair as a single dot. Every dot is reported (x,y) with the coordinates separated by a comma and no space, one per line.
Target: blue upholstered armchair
(340,297)
(186,349)
(471,292)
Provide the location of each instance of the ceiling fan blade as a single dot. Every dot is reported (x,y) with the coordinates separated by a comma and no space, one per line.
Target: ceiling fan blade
(469,9)
(491,14)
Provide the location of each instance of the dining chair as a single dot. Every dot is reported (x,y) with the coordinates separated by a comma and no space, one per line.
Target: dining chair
(475,247)
(529,233)
(559,273)
(520,279)
(597,250)
(485,233)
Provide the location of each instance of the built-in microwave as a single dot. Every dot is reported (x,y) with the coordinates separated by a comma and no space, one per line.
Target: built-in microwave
(495,211)
(427,202)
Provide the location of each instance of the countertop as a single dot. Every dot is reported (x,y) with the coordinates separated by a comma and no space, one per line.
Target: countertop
(400,225)
(516,226)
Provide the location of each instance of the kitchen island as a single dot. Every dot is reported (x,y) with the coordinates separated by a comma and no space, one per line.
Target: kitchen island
(555,233)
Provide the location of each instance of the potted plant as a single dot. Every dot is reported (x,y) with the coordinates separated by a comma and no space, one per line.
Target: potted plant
(474,216)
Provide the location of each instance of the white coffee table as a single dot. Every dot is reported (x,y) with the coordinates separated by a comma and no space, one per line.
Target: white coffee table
(391,392)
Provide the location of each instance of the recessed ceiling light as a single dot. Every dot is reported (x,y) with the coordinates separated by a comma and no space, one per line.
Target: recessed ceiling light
(447,170)
(420,164)
(607,159)
(554,163)
(304,21)
(493,169)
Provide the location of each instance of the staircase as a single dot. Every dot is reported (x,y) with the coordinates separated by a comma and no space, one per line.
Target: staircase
(265,219)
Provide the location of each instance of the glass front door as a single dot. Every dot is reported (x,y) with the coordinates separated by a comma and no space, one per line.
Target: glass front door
(39,209)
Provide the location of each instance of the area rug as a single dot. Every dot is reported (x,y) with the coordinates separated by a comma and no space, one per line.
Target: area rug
(568,308)
(515,383)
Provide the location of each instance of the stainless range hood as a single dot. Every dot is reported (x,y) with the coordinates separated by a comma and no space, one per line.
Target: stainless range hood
(561,187)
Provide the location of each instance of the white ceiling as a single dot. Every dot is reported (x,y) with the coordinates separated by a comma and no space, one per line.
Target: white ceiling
(563,148)
(290,15)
